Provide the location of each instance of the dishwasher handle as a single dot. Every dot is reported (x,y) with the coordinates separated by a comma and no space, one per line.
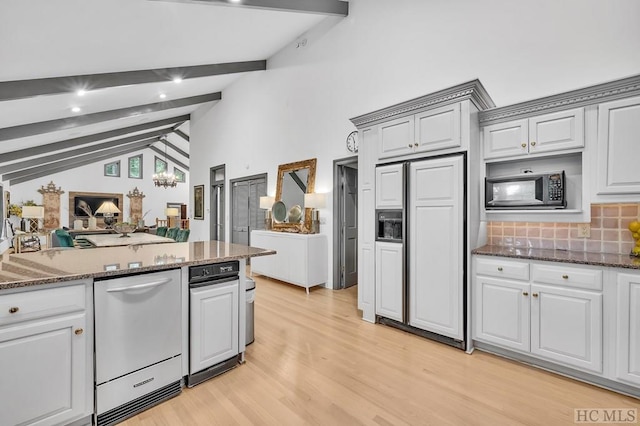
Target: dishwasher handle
(140,286)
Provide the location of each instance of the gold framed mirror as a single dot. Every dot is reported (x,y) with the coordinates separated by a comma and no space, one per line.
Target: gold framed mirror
(294,180)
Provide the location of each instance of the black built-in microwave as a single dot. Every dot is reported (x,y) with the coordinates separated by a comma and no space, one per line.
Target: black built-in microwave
(526,191)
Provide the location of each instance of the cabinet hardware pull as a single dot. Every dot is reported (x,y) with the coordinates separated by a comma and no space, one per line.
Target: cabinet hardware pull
(566,277)
(524,293)
(500,268)
(78,331)
(533,144)
(410,145)
(535,294)
(524,145)
(13,309)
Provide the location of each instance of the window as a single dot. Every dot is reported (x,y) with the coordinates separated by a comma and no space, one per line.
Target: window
(135,167)
(159,165)
(112,169)
(179,174)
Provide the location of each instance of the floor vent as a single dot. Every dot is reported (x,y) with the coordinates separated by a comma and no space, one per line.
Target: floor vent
(136,406)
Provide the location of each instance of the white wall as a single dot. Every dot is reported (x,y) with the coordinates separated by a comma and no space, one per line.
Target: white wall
(90,178)
(387,52)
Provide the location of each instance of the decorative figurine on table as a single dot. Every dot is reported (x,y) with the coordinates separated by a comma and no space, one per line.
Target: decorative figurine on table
(634,227)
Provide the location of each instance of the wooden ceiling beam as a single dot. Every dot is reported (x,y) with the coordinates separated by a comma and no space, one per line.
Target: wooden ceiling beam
(67,123)
(20,89)
(82,140)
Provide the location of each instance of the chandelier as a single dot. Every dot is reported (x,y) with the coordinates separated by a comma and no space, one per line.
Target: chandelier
(164,178)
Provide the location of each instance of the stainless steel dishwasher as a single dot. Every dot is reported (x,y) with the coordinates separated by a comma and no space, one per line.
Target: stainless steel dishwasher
(138,339)
(213,320)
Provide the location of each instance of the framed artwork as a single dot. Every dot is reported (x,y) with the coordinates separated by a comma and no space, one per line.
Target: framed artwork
(112,169)
(159,165)
(135,167)
(179,174)
(198,202)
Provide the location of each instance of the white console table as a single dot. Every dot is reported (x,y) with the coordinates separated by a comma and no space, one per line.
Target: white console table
(301,259)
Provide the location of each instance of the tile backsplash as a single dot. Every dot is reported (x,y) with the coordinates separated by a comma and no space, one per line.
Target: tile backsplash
(609,231)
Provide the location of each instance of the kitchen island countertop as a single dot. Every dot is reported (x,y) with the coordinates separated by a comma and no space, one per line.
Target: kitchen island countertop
(68,264)
(565,256)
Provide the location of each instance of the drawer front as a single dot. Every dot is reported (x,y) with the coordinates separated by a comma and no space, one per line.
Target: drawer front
(568,276)
(501,268)
(35,304)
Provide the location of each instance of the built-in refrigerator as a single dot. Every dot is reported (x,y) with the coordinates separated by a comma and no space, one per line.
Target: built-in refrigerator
(420,270)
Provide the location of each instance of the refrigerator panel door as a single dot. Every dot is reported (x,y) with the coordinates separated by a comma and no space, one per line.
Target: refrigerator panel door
(435,222)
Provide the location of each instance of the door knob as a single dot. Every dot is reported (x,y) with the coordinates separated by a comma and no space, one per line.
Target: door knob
(533,144)
(566,277)
(524,293)
(500,268)
(13,309)
(78,331)
(524,145)
(535,294)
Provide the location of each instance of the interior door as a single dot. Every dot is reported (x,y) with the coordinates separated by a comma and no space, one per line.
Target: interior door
(436,246)
(246,214)
(349,215)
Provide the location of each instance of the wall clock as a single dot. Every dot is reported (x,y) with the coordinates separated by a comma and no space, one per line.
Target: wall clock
(352,141)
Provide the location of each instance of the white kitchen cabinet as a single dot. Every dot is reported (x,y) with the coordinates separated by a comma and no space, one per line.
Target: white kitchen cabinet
(301,259)
(556,131)
(389,277)
(502,312)
(431,130)
(566,325)
(617,151)
(436,265)
(389,187)
(214,325)
(552,311)
(628,327)
(45,344)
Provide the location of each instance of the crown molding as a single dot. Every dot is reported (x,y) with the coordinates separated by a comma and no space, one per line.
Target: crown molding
(604,92)
(472,90)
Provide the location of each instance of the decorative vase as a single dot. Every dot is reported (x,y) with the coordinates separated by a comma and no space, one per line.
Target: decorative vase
(77,224)
(93,222)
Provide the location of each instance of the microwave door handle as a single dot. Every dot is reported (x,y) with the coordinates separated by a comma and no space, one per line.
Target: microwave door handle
(139,286)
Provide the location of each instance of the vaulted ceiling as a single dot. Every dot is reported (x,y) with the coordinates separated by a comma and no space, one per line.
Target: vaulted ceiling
(83,81)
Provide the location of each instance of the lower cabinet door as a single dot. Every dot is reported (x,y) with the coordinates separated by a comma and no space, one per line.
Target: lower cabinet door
(566,326)
(213,325)
(502,312)
(389,286)
(628,332)
(43,379)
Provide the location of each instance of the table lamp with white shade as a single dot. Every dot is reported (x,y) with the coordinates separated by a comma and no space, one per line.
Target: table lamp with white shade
(172,213)
(32,212)
(314,202)
(266,203)
(108,209)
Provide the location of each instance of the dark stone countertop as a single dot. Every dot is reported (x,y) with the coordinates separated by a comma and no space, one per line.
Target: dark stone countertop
(565,256)
(68,264)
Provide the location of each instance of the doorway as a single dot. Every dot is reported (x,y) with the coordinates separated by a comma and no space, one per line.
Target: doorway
(345,232)
(246,214)
(217,203)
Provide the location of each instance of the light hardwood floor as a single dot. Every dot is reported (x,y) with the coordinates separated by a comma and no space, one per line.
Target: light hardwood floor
(314,361)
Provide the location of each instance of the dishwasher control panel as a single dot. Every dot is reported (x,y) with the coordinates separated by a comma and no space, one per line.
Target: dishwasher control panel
(213,271)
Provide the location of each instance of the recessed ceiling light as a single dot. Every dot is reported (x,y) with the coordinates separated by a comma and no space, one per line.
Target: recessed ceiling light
(177,79)
(75,109)
(81,92)
(163,95)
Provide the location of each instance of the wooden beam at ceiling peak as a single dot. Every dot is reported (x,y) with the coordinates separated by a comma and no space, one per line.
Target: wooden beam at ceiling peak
(323,7)
(19,89)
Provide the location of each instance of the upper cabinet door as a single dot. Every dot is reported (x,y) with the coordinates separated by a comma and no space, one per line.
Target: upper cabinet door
(396,137)
(617,160)
(549,132)
(506,139)
(438,128)
(556,131)
(389,187)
